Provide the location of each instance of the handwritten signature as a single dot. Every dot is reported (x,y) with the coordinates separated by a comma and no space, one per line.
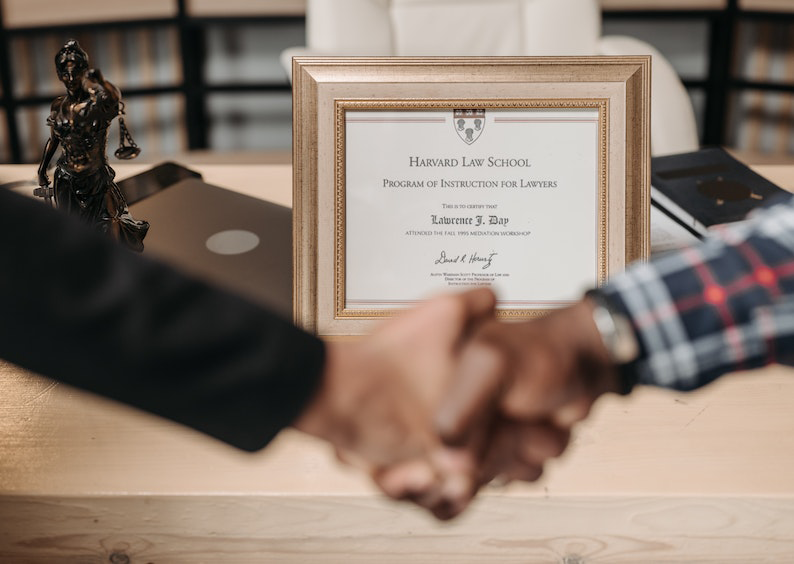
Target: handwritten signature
(484,261)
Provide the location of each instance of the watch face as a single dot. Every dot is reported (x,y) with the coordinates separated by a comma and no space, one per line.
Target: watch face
(625,347)
(616,332)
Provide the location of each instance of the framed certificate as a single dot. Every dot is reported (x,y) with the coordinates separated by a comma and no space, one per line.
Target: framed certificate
(418,176)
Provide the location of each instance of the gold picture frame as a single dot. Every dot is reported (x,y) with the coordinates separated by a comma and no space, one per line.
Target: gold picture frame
(365,164)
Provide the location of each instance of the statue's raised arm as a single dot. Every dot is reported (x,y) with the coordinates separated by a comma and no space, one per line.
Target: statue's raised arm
(83,181)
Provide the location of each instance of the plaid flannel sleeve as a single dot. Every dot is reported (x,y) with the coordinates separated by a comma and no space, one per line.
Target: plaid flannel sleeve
(726,304)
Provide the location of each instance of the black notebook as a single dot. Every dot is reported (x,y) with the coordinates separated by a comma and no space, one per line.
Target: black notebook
(708,187)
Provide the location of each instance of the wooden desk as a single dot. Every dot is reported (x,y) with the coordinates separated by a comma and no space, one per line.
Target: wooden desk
(657,477)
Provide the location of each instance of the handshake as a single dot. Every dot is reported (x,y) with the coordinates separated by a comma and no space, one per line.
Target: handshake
(445,398)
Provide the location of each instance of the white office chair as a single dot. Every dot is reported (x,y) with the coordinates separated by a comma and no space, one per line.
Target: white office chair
(494,27)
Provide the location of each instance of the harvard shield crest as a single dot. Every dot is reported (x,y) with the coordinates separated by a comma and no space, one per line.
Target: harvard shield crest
(469,123)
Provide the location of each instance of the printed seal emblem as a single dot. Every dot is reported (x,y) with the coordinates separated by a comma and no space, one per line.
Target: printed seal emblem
(469,124)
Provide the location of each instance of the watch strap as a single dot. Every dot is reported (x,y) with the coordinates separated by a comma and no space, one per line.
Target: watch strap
(618,337)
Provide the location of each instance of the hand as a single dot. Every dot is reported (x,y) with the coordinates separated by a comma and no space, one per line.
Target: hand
(547,372)
(94,75)
(93,81)
(379,394)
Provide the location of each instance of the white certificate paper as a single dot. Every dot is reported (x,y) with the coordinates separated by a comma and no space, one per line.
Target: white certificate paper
(444,199)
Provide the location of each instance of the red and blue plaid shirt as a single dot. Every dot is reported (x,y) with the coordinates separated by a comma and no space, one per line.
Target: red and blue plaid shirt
(726,304)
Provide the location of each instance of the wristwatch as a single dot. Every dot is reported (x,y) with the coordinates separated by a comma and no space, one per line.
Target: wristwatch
(618,337)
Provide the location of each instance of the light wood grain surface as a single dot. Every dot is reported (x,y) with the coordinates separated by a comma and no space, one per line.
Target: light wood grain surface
(656,477)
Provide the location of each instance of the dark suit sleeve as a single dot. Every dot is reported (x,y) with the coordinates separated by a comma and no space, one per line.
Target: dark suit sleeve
(81,309)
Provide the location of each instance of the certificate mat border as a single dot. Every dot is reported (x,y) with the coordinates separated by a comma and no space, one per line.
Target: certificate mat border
(626,79)
(341,106)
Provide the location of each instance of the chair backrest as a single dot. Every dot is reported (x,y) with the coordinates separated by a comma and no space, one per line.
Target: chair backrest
(349,27)
(453,27)
(495,27)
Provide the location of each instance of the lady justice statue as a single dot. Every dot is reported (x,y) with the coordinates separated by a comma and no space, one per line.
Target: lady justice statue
(79,120)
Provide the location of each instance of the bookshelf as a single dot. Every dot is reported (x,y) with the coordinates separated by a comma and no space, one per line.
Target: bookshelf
(158,53)
(199,75)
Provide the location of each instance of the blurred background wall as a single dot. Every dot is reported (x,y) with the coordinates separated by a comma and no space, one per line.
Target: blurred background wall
(204,77)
